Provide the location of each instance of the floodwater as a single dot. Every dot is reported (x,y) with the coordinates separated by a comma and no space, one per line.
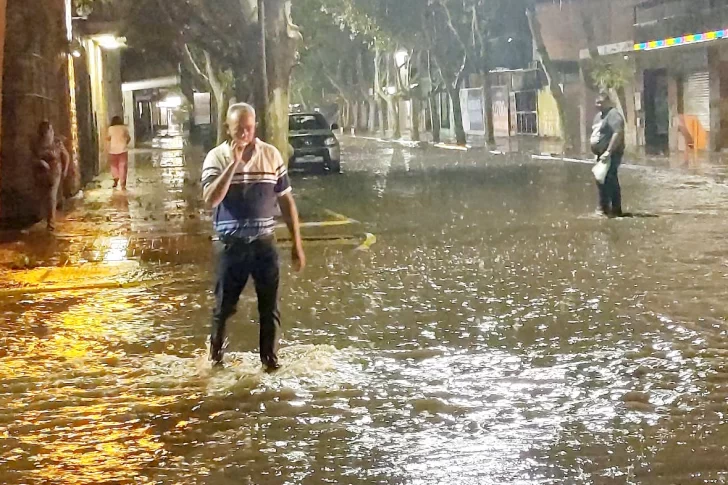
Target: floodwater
(497,333)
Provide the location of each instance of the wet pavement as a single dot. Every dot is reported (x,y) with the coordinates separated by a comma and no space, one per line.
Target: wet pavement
(497,332)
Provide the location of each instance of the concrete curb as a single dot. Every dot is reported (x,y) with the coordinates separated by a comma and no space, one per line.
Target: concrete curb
(533,155)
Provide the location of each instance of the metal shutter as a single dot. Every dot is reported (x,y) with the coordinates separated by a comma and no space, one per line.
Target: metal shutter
(697,97)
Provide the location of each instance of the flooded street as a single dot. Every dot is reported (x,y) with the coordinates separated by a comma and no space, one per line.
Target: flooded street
(497,332)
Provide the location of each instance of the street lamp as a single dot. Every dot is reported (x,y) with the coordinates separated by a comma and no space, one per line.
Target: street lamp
(400,58)
(111,42)
(170,102)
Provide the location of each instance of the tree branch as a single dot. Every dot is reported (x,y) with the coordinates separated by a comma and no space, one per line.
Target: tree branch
(193,64)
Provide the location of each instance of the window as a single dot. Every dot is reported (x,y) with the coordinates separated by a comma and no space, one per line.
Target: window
(307,122)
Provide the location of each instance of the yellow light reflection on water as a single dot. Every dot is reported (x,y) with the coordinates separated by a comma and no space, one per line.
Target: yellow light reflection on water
(75,411)
(116,250)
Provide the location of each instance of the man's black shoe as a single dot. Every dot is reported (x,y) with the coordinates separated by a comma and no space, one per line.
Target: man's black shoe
(271,364)
(216,354)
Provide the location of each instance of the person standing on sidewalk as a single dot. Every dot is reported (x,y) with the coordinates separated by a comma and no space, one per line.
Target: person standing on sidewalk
(118,142)
(50,168)
(607,143)
(244,180)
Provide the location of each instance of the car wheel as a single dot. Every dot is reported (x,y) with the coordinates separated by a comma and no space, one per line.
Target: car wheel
(334,166)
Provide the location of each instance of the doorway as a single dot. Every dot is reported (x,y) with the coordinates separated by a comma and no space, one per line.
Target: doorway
(657,111)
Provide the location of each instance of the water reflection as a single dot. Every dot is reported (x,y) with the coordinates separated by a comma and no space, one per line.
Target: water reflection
(497,333)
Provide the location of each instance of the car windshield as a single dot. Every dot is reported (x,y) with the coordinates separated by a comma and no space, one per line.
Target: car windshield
(307,122)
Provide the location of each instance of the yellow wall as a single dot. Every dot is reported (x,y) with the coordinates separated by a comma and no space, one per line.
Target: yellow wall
(549,124)
(95,58)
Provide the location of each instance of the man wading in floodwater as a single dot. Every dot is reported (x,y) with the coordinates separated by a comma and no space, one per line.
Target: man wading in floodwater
(607,143)
(244,180)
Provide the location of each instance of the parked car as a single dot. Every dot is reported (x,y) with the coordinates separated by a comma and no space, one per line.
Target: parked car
(313,142)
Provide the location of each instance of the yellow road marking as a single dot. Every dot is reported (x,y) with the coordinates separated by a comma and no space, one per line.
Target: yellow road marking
(339,217)
(370,240)
(339,220)
(321,224)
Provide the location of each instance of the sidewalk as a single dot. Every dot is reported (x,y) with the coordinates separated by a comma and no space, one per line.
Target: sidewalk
(109,238)
(704,163)
(104,235)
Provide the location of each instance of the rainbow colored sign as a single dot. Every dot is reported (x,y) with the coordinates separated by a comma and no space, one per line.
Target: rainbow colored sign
(684,40)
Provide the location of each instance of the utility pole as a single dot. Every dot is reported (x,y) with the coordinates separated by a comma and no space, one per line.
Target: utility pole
(264,101)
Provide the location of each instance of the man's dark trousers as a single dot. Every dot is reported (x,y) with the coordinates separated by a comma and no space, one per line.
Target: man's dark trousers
(239,260)
(610,193)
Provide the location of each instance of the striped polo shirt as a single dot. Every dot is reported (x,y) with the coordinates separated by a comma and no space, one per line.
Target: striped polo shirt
(248,210)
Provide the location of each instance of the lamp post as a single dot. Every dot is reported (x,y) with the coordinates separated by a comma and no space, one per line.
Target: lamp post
(264,94)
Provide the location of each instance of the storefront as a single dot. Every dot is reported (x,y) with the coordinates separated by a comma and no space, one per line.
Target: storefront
(682,82)
(472,101)
(514,95)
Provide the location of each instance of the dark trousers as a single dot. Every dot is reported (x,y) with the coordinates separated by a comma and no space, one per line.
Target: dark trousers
(239,260)
(610,193)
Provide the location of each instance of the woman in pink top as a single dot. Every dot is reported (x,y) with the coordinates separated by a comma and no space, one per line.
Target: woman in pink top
(118,143)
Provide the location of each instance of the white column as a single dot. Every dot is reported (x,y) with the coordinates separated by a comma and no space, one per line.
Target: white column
(129,116)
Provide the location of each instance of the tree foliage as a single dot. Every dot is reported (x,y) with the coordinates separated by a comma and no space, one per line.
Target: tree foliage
(609,74)
(349,49)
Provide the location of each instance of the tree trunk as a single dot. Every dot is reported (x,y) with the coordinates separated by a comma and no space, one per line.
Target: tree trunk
(416,117)
(488,106)
(434,100)
(396,122)
(372,119)
(243,91)
(436,122)
(222,98)
(346,114)
(382,118)
(354,107)
(460,137)
(283,39)
(363,112)
(550,72)
(222,103)
(388,104)
(3,6)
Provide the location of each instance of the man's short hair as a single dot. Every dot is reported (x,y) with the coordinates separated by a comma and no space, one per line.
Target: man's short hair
(240,109)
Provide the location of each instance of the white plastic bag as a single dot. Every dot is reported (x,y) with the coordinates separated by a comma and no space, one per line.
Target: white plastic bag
(600,170)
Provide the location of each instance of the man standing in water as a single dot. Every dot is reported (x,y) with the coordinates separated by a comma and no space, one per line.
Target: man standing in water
(244,180)
(607,143)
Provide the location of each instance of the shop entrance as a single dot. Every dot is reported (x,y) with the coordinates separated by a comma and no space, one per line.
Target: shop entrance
(657,111)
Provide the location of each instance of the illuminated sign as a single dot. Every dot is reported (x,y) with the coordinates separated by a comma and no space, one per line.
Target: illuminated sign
(683,40)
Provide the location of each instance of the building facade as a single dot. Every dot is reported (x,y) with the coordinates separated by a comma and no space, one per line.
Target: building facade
(673,55)
(681,57)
